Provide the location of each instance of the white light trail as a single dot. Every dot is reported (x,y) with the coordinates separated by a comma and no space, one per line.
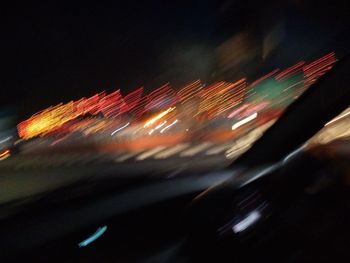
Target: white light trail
(167,127)
(337,118)
(156,128)
(160,125)
(244,121)
(114,132)
(6,139)
(246,222)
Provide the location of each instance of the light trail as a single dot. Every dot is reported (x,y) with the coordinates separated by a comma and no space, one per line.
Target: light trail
(120,129)
(157,117)
(172,151)
(149,153)
(167,127)
(244,121)
(337,118)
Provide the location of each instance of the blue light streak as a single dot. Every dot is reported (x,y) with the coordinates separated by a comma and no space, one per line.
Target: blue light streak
(99,232)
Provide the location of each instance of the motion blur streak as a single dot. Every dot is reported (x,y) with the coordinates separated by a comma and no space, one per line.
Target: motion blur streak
(150,153)
(246,222)
(218,149)
(169,152)
(264,77)
(99,232)
(197,119)
(6,139)
(167,127)
(244,121)
(337,118)
(290,70)
(124,126)
(127,156)
(160,125)
(189,91)
(156,118)
(4,154)
(337,128)
(197,149)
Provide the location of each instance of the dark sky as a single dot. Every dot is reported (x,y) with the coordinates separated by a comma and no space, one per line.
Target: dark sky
(57,52)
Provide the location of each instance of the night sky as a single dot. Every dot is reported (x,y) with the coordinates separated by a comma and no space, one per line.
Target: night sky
(55,52)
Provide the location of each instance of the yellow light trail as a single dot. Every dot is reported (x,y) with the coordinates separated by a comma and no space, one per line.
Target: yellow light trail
(157,117)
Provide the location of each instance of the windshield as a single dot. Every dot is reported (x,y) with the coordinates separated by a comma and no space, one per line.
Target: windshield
(152,90)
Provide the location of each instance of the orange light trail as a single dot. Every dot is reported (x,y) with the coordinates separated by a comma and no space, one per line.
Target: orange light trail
(196,101)
(189,91)
(4,154)
(158,117)
(220,97)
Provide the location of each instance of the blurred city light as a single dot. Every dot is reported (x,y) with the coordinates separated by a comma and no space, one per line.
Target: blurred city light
(226,116)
